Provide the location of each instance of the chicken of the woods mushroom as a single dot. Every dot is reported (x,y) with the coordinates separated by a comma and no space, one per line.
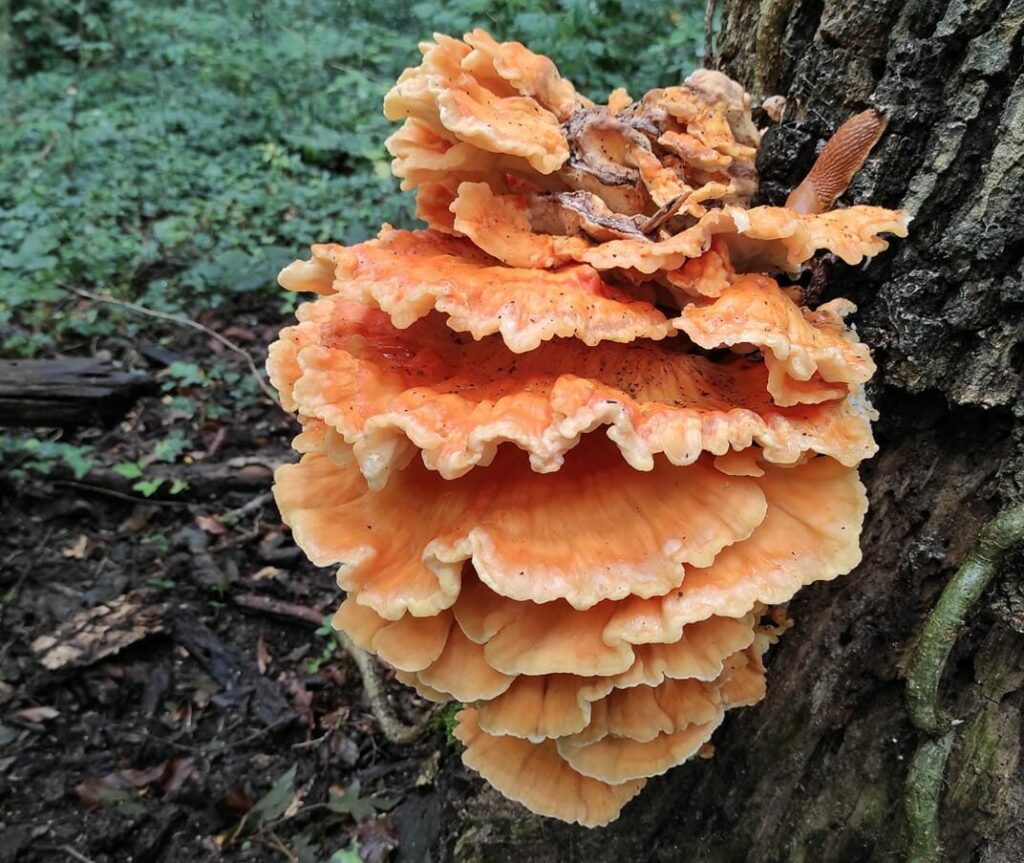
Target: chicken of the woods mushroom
(568,443)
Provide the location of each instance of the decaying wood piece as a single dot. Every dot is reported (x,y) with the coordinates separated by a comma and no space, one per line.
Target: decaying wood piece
(819,770)
(67,392)
(100,631)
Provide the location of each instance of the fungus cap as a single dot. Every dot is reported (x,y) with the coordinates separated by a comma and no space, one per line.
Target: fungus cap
(536,775)
(409,274)
(593,531)
(593,290)
(763,237)
(391,392)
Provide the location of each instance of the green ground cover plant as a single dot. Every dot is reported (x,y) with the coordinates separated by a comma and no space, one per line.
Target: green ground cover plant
(179,153)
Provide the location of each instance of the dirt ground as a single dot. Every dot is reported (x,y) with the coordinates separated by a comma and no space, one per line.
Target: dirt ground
(156,704)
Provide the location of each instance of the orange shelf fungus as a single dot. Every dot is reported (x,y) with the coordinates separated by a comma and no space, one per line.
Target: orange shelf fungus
(568,443)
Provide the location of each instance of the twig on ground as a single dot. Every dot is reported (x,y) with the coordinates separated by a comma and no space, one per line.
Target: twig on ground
(274,841)
(77,855)
(109,492)
(234,541)
(253,505)
(279,608)
(217,746)
(191,324)
(394,729)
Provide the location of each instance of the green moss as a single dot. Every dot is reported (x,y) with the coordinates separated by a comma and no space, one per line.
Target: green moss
(446,720)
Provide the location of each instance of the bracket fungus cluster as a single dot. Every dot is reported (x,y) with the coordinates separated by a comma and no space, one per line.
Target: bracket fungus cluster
(568,443)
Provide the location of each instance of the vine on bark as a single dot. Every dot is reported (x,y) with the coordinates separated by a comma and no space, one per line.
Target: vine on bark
(924,779)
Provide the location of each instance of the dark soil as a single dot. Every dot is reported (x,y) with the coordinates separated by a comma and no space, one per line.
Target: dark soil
(180,709)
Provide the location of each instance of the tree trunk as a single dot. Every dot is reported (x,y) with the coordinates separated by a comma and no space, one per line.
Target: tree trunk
(819,770)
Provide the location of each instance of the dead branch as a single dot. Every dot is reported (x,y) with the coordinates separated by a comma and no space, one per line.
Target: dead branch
(191,324)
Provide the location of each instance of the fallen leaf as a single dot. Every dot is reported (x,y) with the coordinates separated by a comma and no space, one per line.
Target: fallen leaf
(377,839)
(301,699)
(101,631)
(347,801)
(210,524)
(263,657)
(176,773)
(120,786)
(96,790)
(114,789)
(273,805)
(240,334)
(142,778)
(77,549)
(37,714)
(137,520)
(265,573)
(236,801)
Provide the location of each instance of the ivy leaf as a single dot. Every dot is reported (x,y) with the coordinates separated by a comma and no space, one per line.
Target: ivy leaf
(147,487)
(128,469)
(272,805)
(75,458)
(32,254)
(347,855)
(171,447)
(348,802)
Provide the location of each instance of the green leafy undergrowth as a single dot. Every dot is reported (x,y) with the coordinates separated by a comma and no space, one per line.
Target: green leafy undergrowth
(178,154)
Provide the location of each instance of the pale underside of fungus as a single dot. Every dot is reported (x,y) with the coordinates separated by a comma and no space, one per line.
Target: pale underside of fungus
(569,442)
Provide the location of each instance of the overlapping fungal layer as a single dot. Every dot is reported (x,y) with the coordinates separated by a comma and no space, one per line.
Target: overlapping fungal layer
(568,443)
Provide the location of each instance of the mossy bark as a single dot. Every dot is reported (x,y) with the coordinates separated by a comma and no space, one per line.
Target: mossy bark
(818,771)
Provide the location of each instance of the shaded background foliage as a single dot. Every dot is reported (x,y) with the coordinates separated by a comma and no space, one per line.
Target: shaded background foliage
(176,155)
(179,153)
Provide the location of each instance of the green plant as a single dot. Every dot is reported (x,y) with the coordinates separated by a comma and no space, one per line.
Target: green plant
(446,719)
(23,456)
(326,632)
(149,160)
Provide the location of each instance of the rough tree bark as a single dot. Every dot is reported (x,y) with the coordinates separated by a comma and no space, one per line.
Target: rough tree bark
(818,771)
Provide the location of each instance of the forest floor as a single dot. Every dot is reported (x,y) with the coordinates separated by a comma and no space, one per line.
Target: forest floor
(154,702)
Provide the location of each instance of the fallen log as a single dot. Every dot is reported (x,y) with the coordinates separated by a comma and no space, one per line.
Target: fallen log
(67,392)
